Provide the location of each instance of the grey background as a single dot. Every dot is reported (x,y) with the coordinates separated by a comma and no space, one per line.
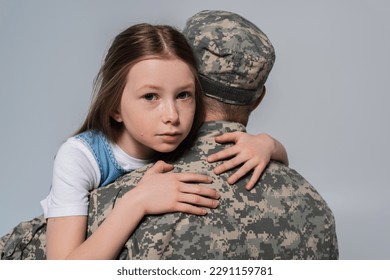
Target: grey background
(327,100)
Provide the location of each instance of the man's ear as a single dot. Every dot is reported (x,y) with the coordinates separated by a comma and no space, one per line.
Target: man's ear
(259,99)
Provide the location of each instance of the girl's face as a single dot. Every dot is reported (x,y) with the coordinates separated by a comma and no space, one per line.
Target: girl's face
(157,107)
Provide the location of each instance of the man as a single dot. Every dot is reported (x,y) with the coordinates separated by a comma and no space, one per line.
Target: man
(283,217)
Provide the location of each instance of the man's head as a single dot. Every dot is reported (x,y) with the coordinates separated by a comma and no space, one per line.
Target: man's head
(234,59)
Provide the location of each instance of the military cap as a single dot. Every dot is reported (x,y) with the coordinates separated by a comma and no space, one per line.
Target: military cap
(234,56)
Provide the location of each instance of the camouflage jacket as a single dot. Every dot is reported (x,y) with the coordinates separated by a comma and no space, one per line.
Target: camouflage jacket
(26,241)
(283,217)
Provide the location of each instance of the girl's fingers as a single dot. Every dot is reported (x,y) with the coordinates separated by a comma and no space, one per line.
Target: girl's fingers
(227,165)
(159,167)
(224,154)
(198,200)
(255,177)
(193,178)
(245,169)
(191,209)
(199,190)
(228,137)
(241,172)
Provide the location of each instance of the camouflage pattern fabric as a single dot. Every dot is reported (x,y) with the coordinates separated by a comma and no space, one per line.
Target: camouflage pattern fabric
(234,56)
(283,217)
(27,241)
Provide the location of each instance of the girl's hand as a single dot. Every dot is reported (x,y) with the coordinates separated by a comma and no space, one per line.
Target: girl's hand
(162,192)
(252,151)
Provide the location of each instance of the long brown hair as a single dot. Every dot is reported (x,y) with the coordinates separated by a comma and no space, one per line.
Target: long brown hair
(129,47)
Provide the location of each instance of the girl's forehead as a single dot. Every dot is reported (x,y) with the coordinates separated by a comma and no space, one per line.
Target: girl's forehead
(164,57)
(165,71)
(154,60)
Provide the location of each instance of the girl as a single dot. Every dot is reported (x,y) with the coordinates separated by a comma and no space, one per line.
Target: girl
(147,106)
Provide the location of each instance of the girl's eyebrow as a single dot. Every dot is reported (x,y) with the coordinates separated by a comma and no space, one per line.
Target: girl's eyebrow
(189,85)
(149,87)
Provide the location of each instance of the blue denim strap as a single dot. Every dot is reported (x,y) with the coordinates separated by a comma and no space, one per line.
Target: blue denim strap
(110,169)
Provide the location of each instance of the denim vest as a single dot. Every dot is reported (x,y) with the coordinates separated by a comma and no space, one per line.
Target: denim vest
(109,168)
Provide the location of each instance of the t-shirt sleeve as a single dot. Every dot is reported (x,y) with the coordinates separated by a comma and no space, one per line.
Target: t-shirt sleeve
(75,174)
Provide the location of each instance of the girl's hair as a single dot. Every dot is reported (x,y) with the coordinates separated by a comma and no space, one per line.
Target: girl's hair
(134,44)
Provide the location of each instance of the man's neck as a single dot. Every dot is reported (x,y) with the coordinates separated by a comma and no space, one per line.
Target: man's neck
(212,117)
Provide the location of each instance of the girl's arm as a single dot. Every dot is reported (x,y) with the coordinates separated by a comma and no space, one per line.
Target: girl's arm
(158,192)
(252,151)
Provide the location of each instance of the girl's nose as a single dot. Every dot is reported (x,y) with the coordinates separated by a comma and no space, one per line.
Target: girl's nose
(171,114)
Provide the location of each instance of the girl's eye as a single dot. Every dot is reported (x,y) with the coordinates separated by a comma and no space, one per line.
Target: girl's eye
(184,95)
(150,96)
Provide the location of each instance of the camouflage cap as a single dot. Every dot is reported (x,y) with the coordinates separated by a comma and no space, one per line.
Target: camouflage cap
(234,56)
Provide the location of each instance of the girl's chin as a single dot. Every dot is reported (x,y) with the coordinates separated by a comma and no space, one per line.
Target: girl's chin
(167,147)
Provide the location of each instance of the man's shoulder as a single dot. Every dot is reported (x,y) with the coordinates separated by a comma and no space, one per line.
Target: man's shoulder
(281,182)
(278,173)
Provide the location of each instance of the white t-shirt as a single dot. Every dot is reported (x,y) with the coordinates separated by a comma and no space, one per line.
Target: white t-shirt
(75,174)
